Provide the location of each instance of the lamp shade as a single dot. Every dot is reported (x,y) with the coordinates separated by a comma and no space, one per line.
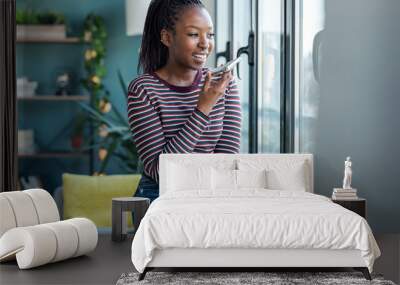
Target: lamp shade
(135,16)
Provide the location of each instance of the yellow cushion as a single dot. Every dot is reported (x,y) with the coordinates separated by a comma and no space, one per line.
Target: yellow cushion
(91,196)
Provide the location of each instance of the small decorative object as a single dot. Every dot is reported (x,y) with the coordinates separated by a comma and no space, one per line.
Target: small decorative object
(77,133)
(26,88)
(347,192)
(77,141)
(62,84)
(347,174)
(26,141)
(30,182)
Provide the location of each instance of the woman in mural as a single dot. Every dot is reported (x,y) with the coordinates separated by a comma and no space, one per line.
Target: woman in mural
(176,105)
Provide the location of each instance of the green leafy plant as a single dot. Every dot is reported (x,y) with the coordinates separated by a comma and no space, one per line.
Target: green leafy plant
(51,18)
(30,17)
(113,136)
(95,35)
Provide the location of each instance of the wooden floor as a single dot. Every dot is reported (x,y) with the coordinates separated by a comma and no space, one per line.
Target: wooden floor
(103,266)
(111,259)
(389,262)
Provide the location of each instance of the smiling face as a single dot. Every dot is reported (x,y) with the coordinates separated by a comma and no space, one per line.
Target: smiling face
(193,39)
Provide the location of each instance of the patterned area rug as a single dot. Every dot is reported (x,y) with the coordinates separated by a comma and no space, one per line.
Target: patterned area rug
(242,278)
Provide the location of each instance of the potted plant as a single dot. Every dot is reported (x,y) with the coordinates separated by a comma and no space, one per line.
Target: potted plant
(114,137)
(111,135)
(33,25)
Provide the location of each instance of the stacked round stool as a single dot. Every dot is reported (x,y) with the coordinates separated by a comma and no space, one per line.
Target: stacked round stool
(31,231)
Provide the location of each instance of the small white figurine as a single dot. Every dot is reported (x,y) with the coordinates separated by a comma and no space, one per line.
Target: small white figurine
(62,84)
(347,174)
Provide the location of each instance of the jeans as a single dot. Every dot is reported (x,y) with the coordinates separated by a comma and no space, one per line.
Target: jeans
(147,188)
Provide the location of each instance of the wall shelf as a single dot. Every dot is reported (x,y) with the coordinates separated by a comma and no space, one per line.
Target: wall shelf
(60,154)
(55,98)
(52,155)
(69,40)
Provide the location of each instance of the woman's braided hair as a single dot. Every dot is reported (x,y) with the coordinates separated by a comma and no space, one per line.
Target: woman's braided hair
(162,14)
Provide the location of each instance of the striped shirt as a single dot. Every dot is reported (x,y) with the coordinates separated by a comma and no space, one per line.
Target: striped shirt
(164,118)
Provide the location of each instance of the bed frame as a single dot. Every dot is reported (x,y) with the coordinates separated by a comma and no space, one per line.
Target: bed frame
(242,259)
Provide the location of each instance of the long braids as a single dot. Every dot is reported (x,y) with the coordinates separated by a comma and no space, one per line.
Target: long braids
(162,14)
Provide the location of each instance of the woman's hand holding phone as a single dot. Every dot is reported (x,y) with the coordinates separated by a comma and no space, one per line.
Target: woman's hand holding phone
(212,91)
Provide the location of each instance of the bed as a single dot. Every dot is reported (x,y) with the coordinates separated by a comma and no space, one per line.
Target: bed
(247,210)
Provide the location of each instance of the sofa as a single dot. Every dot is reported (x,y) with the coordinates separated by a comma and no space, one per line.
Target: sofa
(91,196)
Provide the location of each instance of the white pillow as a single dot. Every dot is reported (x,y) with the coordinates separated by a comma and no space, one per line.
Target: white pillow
(293,179)
(182,177)
(223,179)
(251,178)
(227,179)
(282,174)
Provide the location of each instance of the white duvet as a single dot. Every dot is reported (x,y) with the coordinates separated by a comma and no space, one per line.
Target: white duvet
(252,218)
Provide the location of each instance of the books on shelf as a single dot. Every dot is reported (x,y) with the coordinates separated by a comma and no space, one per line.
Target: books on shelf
(335,197)
(344,194)
(345,191)
(26,141)
(25,87)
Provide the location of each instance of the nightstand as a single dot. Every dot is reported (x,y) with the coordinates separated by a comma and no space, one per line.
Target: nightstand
(120,206)
(358,206)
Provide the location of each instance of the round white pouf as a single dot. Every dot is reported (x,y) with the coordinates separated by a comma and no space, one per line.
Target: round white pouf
(41,244)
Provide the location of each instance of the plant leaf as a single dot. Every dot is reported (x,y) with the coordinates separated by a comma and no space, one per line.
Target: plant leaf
(96,114)
(122,83)
(110,151)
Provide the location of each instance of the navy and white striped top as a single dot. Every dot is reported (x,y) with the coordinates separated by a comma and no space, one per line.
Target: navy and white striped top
(164,118)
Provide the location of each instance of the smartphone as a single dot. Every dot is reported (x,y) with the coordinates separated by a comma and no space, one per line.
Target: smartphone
(227,66)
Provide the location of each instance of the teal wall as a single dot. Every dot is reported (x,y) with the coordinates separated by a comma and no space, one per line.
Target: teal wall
(42,62)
